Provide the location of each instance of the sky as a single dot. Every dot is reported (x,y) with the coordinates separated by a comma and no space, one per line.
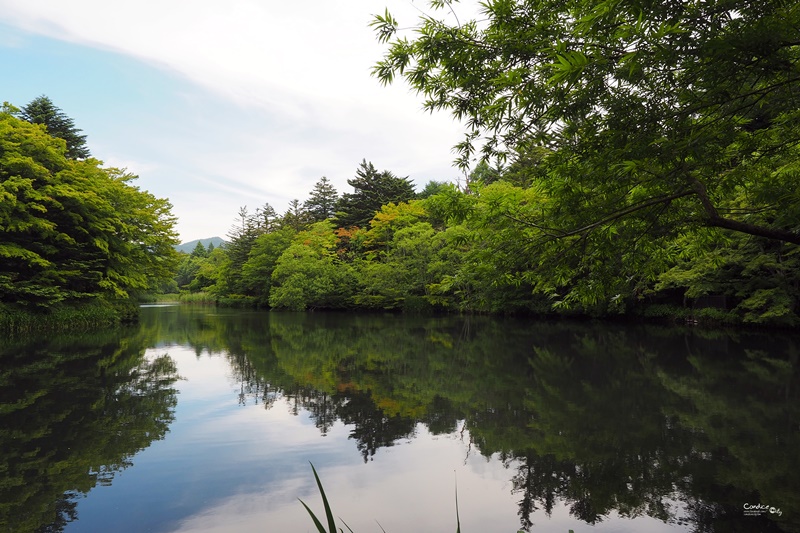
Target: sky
(222,105)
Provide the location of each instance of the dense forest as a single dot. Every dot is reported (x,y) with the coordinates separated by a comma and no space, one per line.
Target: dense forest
(73,234)
(619,157)
(466,250)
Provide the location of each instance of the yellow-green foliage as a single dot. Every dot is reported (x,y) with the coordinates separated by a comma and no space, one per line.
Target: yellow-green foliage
(71,229)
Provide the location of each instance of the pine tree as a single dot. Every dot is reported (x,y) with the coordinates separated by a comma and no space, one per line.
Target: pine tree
(321,204)
(41,110)
(373,190)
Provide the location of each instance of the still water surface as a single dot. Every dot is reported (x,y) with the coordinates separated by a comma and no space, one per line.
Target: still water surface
(206,420)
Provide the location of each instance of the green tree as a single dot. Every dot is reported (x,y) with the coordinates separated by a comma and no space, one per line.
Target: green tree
(309,274)
(261,263)
(187,270)
(653,121)
(394,271)
(373,190)
(199,250)
(70,229)
(483,174)
(42,110)
(296,217)
(209,271)
(321,203)
(431,188)
(240,239)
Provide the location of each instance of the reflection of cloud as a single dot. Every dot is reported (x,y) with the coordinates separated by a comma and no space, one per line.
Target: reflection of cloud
(272,508)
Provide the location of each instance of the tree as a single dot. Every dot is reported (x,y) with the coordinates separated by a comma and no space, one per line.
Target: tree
(199,250)
(308,274)
(321,203)
(656,120)
(373,190)
(41,110)
(431,188)
(483,174)
(295,217)
(264,255)
(72,230)
(240,240)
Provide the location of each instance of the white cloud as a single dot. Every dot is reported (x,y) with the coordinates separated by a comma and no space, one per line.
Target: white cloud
(299,101)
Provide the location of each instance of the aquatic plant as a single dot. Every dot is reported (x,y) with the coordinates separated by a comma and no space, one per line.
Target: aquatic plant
(328,512)
(332,522)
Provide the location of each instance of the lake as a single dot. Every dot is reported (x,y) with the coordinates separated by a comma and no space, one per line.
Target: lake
(201,419)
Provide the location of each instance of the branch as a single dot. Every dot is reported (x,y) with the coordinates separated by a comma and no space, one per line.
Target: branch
(627,211)
(716,220)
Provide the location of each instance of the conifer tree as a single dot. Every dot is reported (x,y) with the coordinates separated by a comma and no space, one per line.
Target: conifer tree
(321,204)
(373,190)
(42,110)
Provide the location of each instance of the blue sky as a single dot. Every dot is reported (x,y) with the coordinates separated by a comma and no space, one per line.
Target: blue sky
(219,105)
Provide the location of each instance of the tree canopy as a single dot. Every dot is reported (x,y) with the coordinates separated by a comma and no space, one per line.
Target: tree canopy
(42,110)
(373,190)
(321,203)
(71,229)
(633,124)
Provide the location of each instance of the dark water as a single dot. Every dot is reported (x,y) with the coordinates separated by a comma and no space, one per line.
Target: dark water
(203,419)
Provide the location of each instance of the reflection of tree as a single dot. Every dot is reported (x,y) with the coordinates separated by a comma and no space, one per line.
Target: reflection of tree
(681,425)
(74,412)
(372,428)
(620,427)
(745,402)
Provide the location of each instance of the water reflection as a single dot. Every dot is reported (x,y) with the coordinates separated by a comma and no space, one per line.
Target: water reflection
(682,425)
(75,410)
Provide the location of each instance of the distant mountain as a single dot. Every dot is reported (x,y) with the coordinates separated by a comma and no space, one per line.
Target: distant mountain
(188,247)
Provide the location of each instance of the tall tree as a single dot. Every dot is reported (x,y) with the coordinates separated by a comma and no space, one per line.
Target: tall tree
(321,203)
(295,217)
(240,240)
(42,110)
(373,190)
(657,119)
(199,250)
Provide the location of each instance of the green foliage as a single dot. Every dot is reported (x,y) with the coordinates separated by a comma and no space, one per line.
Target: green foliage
(309,274)
(760,279)
(373,190)
(90,315)
(296,217)
(41,110)
(227,267)
(499,247)
(636,126)
(394,268)
(321,203)
(199,250)
(261,263)
(431,188)
(70,229)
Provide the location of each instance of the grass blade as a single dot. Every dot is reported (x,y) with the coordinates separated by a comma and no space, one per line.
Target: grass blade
(345,525)
(313,517)
(325,504)
(458,519)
